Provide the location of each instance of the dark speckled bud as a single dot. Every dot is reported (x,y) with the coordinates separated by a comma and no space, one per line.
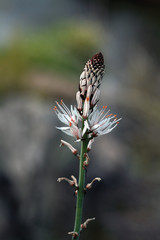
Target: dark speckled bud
(90,79)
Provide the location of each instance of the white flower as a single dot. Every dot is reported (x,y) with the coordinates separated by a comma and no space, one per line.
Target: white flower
(69,118)
(100,122)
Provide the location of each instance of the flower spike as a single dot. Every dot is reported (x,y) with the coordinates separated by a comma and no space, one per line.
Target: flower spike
(84,122)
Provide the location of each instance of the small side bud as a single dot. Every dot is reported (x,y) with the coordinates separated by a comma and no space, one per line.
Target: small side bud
(76,192)
(90,144)
(86,162)
(89,185)
(74,234)
(84,225)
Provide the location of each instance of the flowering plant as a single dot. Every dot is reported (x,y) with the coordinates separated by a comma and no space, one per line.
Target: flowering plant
(85,122)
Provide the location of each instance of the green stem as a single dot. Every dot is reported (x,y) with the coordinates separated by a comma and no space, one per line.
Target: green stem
(81,184)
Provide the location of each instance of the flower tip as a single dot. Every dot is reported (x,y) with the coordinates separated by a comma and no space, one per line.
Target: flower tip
(98,57)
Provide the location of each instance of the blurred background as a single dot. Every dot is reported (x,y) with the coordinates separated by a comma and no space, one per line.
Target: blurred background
(43,48)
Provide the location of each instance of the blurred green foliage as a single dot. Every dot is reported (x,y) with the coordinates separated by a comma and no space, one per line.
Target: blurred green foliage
(63,48)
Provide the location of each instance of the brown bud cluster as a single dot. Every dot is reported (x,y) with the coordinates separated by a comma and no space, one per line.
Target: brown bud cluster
(90,81)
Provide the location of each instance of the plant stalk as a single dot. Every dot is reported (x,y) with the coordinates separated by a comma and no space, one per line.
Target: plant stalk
(81,185)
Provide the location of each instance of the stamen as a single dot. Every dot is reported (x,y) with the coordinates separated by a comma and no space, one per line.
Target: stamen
(70,124)
(109,115)
(99,116)
(87,98)
(66,109)
(55,108)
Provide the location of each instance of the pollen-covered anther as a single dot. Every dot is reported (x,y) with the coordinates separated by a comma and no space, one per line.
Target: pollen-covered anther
(71,182)
(109,115)
(86,162)
(84,225)
(89,185)
(73,150)
(74,234)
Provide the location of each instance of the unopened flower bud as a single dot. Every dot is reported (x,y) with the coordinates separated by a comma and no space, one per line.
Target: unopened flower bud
(83,82)
(89,91)
(86,107)
(92,75)
(79,101)
(83,75)
(95,97)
